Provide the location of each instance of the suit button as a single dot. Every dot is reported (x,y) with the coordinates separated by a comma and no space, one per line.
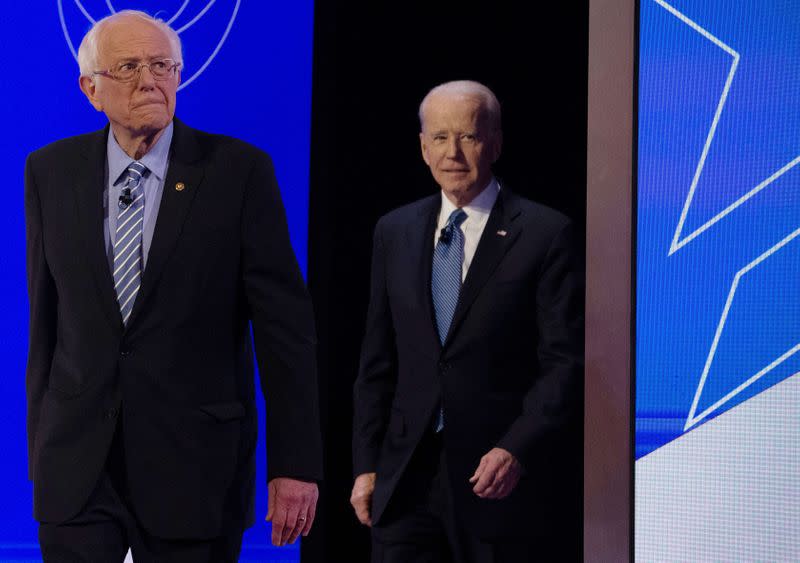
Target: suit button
(444,366)
(112,413)
(124,352)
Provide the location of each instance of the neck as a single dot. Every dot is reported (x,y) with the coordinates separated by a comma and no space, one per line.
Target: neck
(136,145)
(460,200)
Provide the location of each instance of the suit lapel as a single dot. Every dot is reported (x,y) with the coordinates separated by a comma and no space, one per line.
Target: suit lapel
(184,168)
(499,234)
(88,185)
(419,236)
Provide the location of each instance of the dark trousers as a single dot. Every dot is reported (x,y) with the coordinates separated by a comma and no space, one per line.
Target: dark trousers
(420,524)
(106,527)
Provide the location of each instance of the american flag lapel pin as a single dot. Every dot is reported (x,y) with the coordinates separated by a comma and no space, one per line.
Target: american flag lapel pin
(502,233)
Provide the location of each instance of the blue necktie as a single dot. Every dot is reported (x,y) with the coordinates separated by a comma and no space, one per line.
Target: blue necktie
(448,257)
(128,243)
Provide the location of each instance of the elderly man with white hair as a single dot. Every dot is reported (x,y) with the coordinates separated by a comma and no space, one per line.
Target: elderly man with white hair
(152,249)
(469,387)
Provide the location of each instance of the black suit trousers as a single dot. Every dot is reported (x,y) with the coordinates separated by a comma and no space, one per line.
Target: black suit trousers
(420,523)
(106,527)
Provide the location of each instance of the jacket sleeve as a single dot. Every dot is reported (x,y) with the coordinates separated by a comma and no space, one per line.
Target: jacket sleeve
(377,377)
(43,303)
(552,403)
(284,333)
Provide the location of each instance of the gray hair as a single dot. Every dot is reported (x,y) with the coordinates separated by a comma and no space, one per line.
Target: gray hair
(467,89)
(88,50)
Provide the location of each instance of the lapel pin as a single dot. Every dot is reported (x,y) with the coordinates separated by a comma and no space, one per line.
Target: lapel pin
(179,187)
(502,233)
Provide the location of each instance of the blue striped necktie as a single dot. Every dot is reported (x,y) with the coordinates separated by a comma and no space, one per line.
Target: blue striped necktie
(128,240)
(448,256)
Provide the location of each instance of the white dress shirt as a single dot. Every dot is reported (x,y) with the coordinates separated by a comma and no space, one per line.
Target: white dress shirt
(477,215)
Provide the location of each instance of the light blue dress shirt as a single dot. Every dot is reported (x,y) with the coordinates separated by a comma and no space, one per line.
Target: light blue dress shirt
(117,161)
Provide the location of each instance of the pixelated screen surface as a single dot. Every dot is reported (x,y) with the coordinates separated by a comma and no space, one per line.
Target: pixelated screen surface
(717,294)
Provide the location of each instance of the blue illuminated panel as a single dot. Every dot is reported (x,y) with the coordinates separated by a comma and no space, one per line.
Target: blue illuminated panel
(718,281)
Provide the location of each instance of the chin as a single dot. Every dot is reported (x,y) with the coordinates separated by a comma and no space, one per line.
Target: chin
(153,124)
(456,193)
(151,115)
(461,189)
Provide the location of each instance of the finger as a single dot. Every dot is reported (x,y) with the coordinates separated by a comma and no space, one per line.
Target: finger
(312,512)
(360,501)
(278,524)
(355,503)
(489,493)
(298,528)
(507,486)
(478,470)
(495,490)
(366,515)
(486,478)
(293,525)
(362,511)
(501,476)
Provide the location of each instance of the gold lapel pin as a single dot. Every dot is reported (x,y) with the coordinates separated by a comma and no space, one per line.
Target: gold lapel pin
(179,187)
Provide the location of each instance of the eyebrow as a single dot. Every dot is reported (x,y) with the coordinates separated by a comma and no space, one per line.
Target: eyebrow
(473,132)
(137,59)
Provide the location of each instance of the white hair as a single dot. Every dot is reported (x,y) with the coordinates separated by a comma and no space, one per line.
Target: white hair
(467,89)
(88,50)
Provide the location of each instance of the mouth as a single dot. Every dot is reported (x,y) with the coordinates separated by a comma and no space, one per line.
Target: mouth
(148,103)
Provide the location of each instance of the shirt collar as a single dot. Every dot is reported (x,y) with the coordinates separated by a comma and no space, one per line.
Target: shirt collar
(155,160)
(478,208)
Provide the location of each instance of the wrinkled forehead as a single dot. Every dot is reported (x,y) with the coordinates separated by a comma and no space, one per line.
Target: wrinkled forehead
(450,110)
(132,38)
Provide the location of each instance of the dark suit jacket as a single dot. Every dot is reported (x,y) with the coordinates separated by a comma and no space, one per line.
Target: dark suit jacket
(179,377)
(509,373)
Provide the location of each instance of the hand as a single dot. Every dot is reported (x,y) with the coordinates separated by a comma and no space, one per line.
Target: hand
(292,506)
(497,474)
(361,497)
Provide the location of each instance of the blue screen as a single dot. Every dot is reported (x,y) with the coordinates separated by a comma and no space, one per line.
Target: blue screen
(247,74)
(717,294)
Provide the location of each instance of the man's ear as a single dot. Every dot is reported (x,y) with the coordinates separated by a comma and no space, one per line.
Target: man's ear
(89,88)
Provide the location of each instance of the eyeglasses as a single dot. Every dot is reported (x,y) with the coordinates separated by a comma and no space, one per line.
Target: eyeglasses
(161,69)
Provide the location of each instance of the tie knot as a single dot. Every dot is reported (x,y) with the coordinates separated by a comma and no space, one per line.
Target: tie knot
(136,170)
(457,217)
(453,223)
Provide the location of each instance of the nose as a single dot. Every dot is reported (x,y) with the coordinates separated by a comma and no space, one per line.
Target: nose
(146,79)
(453,147)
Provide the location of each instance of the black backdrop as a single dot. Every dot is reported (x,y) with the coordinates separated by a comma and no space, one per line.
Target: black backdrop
(373,63)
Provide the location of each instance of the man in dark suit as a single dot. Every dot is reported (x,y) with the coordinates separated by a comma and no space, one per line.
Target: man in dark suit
(152,248)
(467,399)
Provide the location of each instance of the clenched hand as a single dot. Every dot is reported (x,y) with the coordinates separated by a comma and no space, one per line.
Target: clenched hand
(497,474)
(361,497)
